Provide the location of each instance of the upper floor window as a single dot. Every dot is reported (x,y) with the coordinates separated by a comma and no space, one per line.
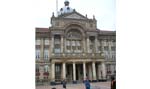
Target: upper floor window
(37,68)
(46,54)
(113,48)
(37,54)
(38,42)
(100,48)
(106,48)
(46,68)
(46,41)
(74,34)
(74,39)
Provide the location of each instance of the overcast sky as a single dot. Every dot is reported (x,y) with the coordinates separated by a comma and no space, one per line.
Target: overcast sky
(104,11)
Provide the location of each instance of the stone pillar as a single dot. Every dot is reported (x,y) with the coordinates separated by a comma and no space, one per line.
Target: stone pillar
(53,72)
(64,70)
(42,49)
(103,70)
(74,71)
(88,49)
(84,70)
(52,44)
(96,48)
(62,44)
(49,48)
(84,47)
(94,71)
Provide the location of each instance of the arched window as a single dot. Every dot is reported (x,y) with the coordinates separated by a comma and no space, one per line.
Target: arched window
(74,41)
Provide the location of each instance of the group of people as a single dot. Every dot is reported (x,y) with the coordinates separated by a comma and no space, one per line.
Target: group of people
(88,86)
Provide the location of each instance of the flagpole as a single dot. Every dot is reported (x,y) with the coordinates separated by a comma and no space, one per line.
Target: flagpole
(56,7)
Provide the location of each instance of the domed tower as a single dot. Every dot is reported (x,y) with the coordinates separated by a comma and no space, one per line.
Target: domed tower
(66,8)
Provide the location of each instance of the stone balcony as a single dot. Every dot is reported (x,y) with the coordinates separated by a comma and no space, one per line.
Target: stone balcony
(77,55)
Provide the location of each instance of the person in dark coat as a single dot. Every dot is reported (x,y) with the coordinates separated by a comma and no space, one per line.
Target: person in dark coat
(113,83)
(87,84)
(64,84)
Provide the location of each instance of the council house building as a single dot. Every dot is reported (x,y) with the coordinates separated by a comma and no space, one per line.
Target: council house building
(74,49)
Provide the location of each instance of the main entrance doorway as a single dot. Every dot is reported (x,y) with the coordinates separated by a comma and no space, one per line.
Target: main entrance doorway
(78,72)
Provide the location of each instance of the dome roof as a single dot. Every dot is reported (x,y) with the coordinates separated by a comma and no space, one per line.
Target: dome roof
(66,8)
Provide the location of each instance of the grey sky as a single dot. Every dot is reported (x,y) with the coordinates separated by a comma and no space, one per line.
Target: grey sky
(104,11)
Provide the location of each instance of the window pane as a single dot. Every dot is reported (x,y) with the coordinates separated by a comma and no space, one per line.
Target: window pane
(46,41)
(37,41)
(57,50)
(37,54)
(46,53)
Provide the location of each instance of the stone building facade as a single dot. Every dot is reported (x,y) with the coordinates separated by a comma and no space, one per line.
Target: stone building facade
(72,48)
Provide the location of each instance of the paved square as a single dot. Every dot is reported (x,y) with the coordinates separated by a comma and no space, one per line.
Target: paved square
(98,85)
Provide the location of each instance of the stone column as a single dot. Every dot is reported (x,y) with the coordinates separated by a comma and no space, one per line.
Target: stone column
(53,72)
(88,50)
(94,71)
(42,49)
(84,70)
(49,48)
(74,71)
(52,45)
(96,48)
(64,70)
(84,47)
(62,44)
(103,70)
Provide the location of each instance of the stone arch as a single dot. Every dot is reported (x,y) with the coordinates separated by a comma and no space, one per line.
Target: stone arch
(75,26)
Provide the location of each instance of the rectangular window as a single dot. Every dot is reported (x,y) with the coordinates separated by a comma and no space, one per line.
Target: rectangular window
(79,47)
(113,48)
(57,50)
(68,43)
(37,54)
(46,54)
(46,41)
(57,46)
(74,47)
(38,42)
(68,47)
(100,48)
(91,46)
(57,41)
(106,48)
(73,43)
(46,68)
(78,43)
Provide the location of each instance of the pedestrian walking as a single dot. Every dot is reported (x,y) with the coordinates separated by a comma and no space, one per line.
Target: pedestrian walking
(64,84)
(87,84)
(113,82)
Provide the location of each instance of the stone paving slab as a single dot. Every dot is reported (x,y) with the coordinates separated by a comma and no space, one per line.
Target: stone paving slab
(98,85)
